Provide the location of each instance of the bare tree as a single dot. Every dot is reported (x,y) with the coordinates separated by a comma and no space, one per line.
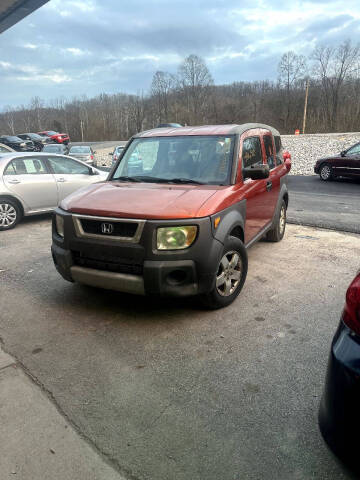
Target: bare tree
(333,65)
(291,69)
(195,81)
(161,86)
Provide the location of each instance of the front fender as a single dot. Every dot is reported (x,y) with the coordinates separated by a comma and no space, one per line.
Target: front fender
(230,218)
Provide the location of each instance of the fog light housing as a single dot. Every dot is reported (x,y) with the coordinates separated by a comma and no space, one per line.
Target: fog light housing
(59,221)
(176,238)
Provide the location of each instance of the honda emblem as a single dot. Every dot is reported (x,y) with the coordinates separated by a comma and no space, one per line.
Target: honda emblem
(107,228)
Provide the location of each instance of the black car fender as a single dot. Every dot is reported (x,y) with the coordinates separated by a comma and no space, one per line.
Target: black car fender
(230,221)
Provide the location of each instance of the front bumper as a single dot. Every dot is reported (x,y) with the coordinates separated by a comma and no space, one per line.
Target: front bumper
(339,417)
(144,270)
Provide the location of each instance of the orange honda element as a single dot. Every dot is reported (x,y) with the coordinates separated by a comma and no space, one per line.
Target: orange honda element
(177,213)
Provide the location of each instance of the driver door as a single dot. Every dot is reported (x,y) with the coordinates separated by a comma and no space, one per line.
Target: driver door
(70,175)
(350,163)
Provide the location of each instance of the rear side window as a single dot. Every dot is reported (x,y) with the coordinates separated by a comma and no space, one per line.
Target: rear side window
(251,152)
(278,148)
(64,165)
(269,151)
(25,166)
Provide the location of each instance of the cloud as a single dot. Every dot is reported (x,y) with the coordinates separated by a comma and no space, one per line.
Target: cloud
(72,47)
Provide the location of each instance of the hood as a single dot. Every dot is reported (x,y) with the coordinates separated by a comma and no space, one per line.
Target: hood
(140,200)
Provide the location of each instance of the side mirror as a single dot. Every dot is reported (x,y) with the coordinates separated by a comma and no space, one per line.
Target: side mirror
(94,152)
(343,153)
(288,164)
(93,171)
(256,172)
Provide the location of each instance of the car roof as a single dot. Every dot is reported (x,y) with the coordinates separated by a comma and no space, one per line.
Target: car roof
(4,157)
(231,129)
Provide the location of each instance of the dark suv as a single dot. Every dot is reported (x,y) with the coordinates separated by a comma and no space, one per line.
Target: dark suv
(178,221)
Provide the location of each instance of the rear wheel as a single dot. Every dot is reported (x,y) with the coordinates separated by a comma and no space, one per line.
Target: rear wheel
(10,214)
(278,231)
(230,275)
(325,172)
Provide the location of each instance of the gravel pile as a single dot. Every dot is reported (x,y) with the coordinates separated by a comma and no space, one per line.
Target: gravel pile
(306,149)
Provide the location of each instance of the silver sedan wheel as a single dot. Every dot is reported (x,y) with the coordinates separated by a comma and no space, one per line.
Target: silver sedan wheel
(325,172)
(229,274)
(8,215)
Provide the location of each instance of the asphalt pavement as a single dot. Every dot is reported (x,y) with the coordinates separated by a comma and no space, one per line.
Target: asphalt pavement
(334,205)
(163,389)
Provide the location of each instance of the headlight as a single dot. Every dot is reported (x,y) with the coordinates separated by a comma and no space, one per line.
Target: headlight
(60,225)
(175,238)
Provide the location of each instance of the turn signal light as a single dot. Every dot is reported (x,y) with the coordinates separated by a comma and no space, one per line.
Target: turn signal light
(351,316)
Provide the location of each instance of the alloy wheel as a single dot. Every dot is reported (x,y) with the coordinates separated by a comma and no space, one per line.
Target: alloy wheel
(282,220)
(325,172)
(229,274)
(7,215)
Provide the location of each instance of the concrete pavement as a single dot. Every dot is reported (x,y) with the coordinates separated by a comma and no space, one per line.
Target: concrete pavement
(36,441)
(167,390)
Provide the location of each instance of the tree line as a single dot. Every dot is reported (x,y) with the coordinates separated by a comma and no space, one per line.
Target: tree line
(190,97)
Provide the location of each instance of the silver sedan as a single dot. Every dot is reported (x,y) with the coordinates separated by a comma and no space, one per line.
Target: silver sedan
(36,183)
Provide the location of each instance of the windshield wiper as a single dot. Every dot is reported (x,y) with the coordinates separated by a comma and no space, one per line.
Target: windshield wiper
(127,179)
(184,180)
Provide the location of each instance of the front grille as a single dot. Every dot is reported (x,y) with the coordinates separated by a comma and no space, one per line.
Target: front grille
(117,229)
(117,265)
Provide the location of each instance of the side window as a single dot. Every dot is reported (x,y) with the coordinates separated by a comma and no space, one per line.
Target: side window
(269,151)
(355,150)
(65,165)
(26,166)
(278,148)
(251,152)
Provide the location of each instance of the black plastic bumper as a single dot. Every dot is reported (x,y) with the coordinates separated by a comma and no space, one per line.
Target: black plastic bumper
(339,414)
(178,273)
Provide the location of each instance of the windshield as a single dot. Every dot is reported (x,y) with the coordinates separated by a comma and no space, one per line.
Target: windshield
(12,139)
(183,159)
(80,149)
(35,136)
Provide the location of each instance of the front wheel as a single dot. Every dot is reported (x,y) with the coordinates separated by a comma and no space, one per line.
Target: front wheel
(325,172)
(230,276)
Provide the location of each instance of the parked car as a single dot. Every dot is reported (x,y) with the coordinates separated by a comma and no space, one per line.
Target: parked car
(339,417)
(5,149)
(116,153)
(56,136)
(35,183)
(61,149)
(346,164)
(38,140)
(17,143)
(83,152)
(175,226)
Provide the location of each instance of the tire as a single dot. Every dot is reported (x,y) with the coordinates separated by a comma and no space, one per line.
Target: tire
(10,213)
(277,232)
(227,283)
(325,172)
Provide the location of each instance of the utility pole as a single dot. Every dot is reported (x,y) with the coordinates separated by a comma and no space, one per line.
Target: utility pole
(305,105)
(82,130)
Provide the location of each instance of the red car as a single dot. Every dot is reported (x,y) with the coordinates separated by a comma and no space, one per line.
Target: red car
(178,220)
(56,136)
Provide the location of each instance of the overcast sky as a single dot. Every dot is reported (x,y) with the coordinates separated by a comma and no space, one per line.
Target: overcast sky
(74,47)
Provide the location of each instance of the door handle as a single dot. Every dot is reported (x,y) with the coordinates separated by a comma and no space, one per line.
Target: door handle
(268,186)
(61,179)
(14,181)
